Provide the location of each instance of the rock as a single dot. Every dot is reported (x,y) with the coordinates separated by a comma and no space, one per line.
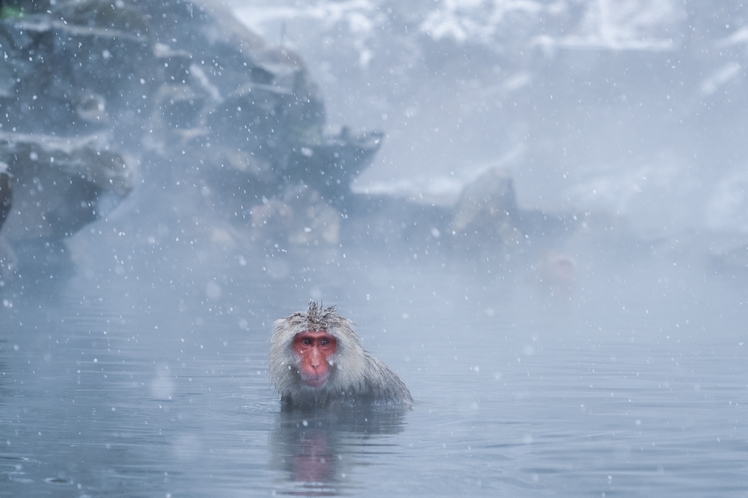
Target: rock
(183,88)
(731,261)
(59,185)
(83,57)
(8,258)
(386,224)
(6,192)
(300,218)
(487,210)
(331,164)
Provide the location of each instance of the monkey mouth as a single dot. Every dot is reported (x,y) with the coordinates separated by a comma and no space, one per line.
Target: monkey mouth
(314,381)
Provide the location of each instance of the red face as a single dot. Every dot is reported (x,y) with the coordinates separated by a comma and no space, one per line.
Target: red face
(313,349)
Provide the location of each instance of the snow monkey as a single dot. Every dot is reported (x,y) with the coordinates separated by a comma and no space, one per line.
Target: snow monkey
(317,360)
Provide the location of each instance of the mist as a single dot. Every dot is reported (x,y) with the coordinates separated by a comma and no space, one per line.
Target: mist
(533,212)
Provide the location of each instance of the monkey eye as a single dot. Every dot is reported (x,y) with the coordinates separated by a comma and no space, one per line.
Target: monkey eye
(324,342)
(306,341)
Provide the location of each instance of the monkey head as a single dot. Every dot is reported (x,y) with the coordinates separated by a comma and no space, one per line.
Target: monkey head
(315,353)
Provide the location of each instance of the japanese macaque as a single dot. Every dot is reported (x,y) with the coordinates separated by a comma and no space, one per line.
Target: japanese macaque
(555,273)
(316,360)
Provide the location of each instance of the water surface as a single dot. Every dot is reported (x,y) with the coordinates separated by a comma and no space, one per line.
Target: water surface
(139,378)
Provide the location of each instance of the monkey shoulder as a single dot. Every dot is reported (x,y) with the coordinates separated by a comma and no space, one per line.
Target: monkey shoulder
(383,385)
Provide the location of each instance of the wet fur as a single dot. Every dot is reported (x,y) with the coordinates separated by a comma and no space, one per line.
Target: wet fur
(356,377)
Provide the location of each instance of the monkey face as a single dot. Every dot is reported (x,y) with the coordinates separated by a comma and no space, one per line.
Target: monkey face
(313,348)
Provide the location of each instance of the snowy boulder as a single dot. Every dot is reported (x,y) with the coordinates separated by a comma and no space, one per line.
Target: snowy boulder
(6,192)
(487,210)
(299,218)
(59,184)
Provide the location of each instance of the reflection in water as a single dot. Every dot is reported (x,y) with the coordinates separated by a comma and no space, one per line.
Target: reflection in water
(162,386)
(314,448)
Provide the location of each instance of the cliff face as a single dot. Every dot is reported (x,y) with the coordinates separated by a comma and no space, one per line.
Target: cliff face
(99,96)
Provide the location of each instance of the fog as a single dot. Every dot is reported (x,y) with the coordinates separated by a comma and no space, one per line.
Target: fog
(588,340)
(630,107)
